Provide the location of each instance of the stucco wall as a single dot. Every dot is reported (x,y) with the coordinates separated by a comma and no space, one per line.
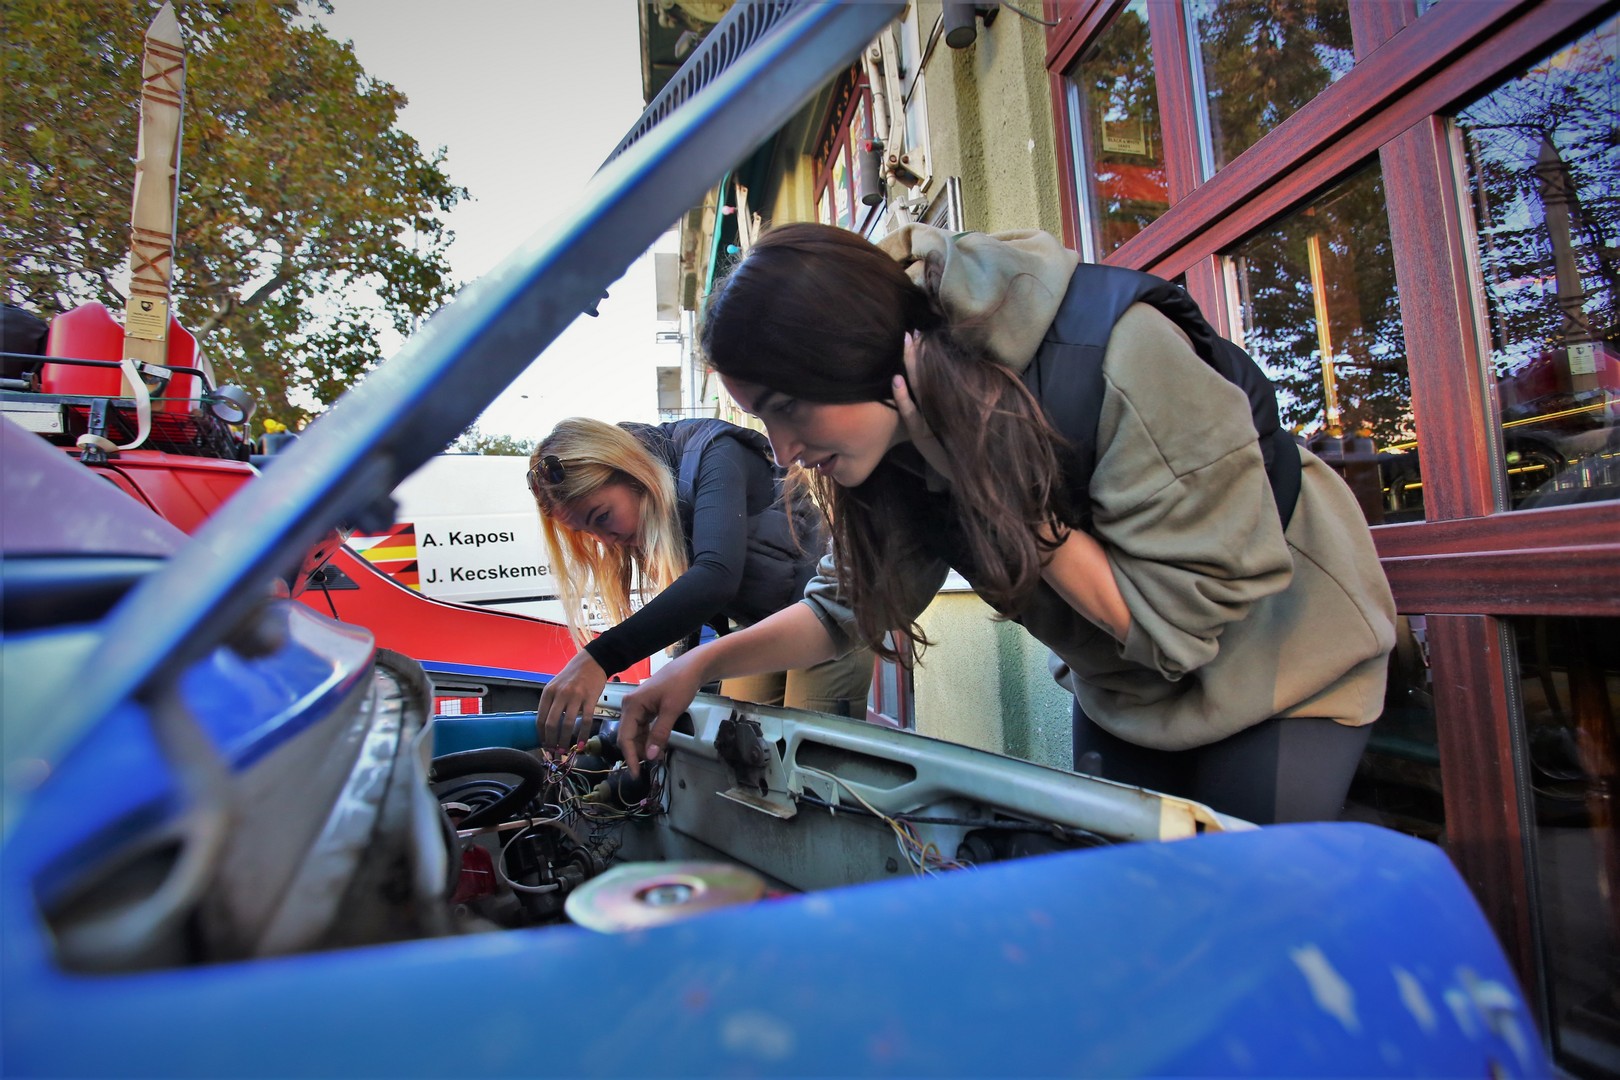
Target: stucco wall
(985,683)
(990,123)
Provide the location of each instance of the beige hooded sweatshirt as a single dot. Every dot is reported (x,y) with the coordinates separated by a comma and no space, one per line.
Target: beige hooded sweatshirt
(1232,622)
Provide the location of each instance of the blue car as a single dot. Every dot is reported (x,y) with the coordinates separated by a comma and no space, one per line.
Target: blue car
(237,841)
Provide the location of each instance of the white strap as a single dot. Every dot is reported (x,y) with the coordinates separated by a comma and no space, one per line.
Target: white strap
(143,413)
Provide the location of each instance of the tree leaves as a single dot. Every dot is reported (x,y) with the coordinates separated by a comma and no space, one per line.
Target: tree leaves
(477,441)
(307,220)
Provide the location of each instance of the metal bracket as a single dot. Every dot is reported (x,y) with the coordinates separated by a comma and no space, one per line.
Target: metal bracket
(742,745)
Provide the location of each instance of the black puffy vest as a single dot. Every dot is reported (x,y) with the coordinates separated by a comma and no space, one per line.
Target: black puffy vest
(782,555)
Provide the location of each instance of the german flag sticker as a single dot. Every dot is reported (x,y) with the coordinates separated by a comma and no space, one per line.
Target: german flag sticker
(393,552)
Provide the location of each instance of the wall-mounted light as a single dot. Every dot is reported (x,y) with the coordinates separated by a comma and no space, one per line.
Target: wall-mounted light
(961,21)
(871,192)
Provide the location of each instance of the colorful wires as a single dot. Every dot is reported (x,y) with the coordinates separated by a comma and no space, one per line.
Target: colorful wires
(923,858)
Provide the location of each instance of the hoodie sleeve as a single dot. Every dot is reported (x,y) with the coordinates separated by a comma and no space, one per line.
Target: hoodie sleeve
(920,577)
(1181,501)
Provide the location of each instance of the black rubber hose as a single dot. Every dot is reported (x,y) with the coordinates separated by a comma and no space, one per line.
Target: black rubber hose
(529,770)
(452,846)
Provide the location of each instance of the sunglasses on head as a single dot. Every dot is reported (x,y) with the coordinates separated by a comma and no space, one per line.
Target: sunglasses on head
(549,469)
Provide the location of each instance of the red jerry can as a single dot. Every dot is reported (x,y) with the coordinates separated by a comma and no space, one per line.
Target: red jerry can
(90,332)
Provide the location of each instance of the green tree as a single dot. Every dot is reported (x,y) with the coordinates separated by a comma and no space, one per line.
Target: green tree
(476,441)
(1263,60)
(1117,80)
(306,221)
(1350,229)
(1568,100)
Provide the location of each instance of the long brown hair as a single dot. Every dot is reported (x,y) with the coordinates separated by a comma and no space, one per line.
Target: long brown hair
(578,458)
(819,313)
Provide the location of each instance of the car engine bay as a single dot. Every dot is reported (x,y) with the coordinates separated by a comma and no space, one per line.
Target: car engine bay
(406,826)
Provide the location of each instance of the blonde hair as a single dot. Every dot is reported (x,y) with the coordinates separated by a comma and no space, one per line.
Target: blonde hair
(592,454)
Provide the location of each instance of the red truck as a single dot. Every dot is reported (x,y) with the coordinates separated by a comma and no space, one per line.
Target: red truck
(193,457)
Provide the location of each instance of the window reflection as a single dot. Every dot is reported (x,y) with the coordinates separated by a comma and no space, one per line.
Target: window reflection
(840,188)
(1114,103)
(1321,315)
(1397,783)
(1569,680)
(1259,61)
(1544,179)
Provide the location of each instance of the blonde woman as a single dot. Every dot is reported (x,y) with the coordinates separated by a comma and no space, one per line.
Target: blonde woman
(690,514)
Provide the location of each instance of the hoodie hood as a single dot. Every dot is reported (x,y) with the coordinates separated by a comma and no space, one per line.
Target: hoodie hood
(1002,290)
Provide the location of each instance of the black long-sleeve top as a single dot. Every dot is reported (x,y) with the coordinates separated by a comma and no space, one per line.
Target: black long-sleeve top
(730,574)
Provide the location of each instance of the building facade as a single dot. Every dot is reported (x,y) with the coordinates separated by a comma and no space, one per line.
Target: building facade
(1409,213)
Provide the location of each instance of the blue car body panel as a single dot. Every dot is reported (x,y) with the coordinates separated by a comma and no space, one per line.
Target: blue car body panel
(116,781)
(1241,954)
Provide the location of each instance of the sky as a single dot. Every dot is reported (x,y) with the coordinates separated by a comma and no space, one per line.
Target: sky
(527,97)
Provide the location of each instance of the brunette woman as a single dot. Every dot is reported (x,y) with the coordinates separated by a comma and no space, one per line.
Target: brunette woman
(691,516)
(1100,466)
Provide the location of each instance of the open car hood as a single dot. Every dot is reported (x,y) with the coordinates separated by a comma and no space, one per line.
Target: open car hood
(342,470)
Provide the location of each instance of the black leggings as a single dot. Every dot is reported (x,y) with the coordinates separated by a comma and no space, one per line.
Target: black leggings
(1293,769)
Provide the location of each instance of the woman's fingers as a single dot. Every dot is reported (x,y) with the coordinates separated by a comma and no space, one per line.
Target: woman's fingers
(568,703)
(557,708)
(545,715)
(902,383)
(633,723)
(564,720)
(922,436)
(908,356)
(916,426)
(649,712)
(903,402)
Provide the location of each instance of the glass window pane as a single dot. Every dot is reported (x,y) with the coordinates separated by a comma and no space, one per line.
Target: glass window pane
(880,224)
(840,187)
(860,133)
(1544,179)
(857,142)
(1119,151)
(1260,60)
(916,119)
(1322,317)
(1397,783)
(1569,681)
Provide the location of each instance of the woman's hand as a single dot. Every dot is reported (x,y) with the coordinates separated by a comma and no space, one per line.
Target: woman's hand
(649,712)
(568,702)
(922,436)
(792,638)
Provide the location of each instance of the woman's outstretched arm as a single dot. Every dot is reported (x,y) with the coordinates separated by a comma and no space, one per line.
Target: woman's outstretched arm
(792,638)
(719,544)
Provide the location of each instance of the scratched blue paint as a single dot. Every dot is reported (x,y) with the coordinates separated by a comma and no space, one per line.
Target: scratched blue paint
(1171,959)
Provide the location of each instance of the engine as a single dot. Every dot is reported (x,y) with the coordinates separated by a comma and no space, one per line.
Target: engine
(531,828)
